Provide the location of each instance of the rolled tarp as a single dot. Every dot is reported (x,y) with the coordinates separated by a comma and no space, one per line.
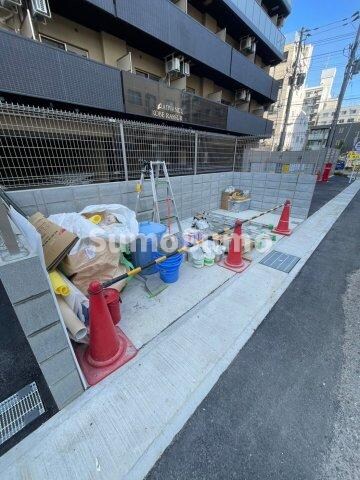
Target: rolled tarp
(75,326)
(58,284)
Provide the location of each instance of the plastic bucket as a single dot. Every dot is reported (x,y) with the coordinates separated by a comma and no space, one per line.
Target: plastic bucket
(146,245)
(112,298)
(169,270)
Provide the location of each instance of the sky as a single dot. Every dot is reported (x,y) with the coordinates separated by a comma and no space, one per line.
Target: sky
(319,13)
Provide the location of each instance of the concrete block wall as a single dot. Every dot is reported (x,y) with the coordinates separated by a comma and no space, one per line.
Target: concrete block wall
(29,292)
(270,189)
(192,193)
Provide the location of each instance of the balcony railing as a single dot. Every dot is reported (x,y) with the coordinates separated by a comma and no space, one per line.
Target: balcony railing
(259,18)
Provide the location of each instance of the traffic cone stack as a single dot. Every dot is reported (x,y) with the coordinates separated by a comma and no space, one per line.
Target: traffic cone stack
(108,348)
(283,227)
(234,260)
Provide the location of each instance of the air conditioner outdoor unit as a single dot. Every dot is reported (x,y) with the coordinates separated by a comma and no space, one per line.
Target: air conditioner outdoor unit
(185,69)
(40,8)
(248,45)
(172,65)
(242,95)
(10,3)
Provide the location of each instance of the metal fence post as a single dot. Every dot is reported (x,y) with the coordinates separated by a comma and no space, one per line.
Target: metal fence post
(235,152)
(196,153)
(122,136)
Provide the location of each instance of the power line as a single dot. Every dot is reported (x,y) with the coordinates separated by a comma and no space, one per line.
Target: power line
(349,72)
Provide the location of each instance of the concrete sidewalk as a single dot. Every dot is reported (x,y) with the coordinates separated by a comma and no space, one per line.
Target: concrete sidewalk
(120,427)
(287,407)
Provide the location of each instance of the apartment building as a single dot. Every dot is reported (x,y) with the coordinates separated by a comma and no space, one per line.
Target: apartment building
(298,121)
(345,138)
(193,63)
(348,114)
(319,98)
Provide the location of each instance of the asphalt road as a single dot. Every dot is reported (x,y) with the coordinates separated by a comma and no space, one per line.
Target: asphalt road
(287,408)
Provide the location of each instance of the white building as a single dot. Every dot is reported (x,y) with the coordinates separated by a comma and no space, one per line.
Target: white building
(348,114)
(319,98)
(298,123)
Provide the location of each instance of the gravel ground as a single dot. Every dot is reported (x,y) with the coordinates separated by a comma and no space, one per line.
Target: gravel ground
(343,460)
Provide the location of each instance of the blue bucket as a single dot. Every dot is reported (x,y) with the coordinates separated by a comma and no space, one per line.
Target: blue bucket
(169,270)
(150,231)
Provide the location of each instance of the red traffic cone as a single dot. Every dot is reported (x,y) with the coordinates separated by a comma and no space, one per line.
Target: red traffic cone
(109,348)
(234,260)
(283,227)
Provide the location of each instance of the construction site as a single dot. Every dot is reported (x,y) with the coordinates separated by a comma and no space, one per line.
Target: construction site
(129,228)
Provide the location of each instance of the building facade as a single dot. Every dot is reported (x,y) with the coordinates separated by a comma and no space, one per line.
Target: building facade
(319,98)
(298,121)
(346,136)
(348,114)
(195,63)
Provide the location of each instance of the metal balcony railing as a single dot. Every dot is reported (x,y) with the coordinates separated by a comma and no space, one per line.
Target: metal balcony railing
(260,19)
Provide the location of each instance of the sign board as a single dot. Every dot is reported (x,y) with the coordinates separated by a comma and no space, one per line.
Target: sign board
(353,155)
(357,147)
(149,98)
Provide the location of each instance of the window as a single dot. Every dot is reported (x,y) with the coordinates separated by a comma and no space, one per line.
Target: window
(64,46)
(343,112)
(281,83)
(286,56)
(341,121)
(351,120)
(150,76)
(352,111)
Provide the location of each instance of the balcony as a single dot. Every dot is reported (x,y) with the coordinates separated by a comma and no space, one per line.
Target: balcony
(152,99)
(182,33)
(33,69)
(260,22)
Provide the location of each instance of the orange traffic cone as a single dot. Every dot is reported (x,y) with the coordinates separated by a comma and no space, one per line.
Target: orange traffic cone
(109,348)
(283,227)
(234,260)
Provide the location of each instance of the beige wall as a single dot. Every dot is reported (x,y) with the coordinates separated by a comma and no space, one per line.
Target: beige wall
(208,87)
(146,62)
(194,13)
(61,28)
(113,48)
(211,23)
(195,82)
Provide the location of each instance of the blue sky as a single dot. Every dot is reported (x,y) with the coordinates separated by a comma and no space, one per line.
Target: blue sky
(314,13)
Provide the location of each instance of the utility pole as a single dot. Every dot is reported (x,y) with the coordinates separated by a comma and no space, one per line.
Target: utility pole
(350,70)
(304,33)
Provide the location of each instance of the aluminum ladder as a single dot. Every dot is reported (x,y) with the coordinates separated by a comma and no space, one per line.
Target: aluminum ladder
(152,169)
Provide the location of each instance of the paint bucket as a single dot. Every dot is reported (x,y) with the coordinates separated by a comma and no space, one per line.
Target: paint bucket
(209,261)
(169,270)
(196,257)
(113,300)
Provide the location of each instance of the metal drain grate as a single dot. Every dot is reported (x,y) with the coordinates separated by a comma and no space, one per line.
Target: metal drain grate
(19,410)
(280,261)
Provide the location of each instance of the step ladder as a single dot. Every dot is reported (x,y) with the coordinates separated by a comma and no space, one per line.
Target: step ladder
(151,172)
